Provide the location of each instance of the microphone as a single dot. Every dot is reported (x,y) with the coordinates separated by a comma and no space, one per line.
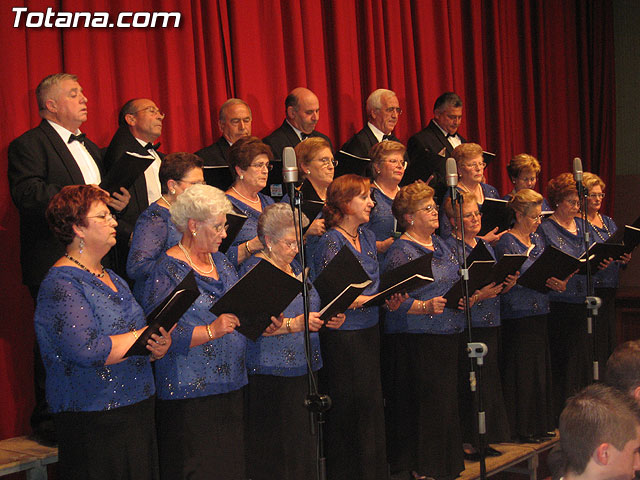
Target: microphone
(452,177)
(290,172)
(577,175)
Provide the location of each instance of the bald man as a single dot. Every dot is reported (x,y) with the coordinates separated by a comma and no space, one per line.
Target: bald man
(302,109)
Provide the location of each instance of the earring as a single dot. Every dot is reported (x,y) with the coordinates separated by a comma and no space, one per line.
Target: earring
(194,233)
(412,222)
(81,246)
(241,177)
(173,192)
(269,247)
(308,172)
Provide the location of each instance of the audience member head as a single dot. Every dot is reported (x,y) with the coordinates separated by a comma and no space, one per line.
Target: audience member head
(143,118)
(599,436)
(178,171)
(447,111)
(61,100)
(69,208)
(387,161)
(315,161)
(623,369)
(303,109)
(411,199)
(235,120)
(523,170)
(383,110)
(340,194)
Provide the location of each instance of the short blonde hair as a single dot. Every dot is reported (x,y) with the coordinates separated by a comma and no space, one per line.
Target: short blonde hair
(408,198)
(591,180)
(307,149)
(524,200)
(522,161)
(465,197)
(200,203)
(381,150)
(466,151)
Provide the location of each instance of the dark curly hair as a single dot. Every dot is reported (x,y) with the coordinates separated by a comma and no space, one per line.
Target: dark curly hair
(244,150)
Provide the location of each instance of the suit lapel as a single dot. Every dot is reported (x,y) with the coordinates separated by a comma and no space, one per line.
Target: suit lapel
(291,134)
(63,152)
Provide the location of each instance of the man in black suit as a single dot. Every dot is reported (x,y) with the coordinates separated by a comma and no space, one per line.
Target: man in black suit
(383,110)
(139,126)
(429,148)
(234,122)
(42,161)
(302,114)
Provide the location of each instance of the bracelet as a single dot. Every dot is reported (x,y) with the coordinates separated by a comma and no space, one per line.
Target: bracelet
(246,245)
(135,334)
(424,307)
(476,297)
(209,331)
(288,325)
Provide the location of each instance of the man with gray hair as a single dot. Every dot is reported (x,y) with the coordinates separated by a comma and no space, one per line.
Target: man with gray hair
(429,148)
(599,437)
(234,122)
(383,111)
(42,161)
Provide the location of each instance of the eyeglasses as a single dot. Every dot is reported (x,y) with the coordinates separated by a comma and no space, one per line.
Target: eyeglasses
(219,228)
(573,203)
(262,165)
(476,166)
(596,195)
(398,110)
(433,208)
(199,182)
(472,214)
(292,245)
(536,218)
(152,110)
(326,161)
(396,162)
(105,217)
(237,121)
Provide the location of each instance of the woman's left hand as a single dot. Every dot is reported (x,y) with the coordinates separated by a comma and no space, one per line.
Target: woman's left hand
(395,300)
(509,282)
(276,323)
(158,345)
(605,263)
(337,321)
(626,258)
(493,236)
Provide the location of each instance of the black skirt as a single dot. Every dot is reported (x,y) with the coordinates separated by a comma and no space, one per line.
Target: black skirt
(420,373)
(571,365)
(202,438)
(526,375)
(119,443)
(354,428)
(490,386)
(279,443)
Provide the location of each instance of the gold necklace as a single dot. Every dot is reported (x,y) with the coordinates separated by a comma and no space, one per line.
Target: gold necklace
(246,198)
(165,200)
(186,254)
(77,262)
(382,190)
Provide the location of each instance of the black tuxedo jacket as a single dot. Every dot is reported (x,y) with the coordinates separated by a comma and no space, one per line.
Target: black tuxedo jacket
(284,136)
(217,155)
(426,149)
(40,164)
(360,145)
(124,141)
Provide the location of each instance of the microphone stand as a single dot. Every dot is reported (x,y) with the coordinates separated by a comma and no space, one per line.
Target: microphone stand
(475,350)
(316,403)
(592,302)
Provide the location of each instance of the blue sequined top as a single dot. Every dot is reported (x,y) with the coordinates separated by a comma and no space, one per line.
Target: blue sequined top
(607,278)
(381,220)
(153,235)
(485,313)
(571,243)
(76,314)
(520,302)
(217,366)
(250,227)
(328,247)
(284,355)
(445,274)
(445,225)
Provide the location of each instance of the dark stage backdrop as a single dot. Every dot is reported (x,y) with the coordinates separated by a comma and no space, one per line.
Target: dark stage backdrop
(536,76)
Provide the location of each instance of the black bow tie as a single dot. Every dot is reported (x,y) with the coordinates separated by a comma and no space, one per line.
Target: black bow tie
(77,138)
(386,137)
(150,146)
(304,136)
(452,135)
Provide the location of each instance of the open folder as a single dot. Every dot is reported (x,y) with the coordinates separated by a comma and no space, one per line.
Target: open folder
(235,221)
(404,279)
(125,171)
(168,313)
(340,283)
(552,263)
(262,292)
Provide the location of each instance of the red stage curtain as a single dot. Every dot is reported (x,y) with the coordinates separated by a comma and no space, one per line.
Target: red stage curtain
(535,76)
